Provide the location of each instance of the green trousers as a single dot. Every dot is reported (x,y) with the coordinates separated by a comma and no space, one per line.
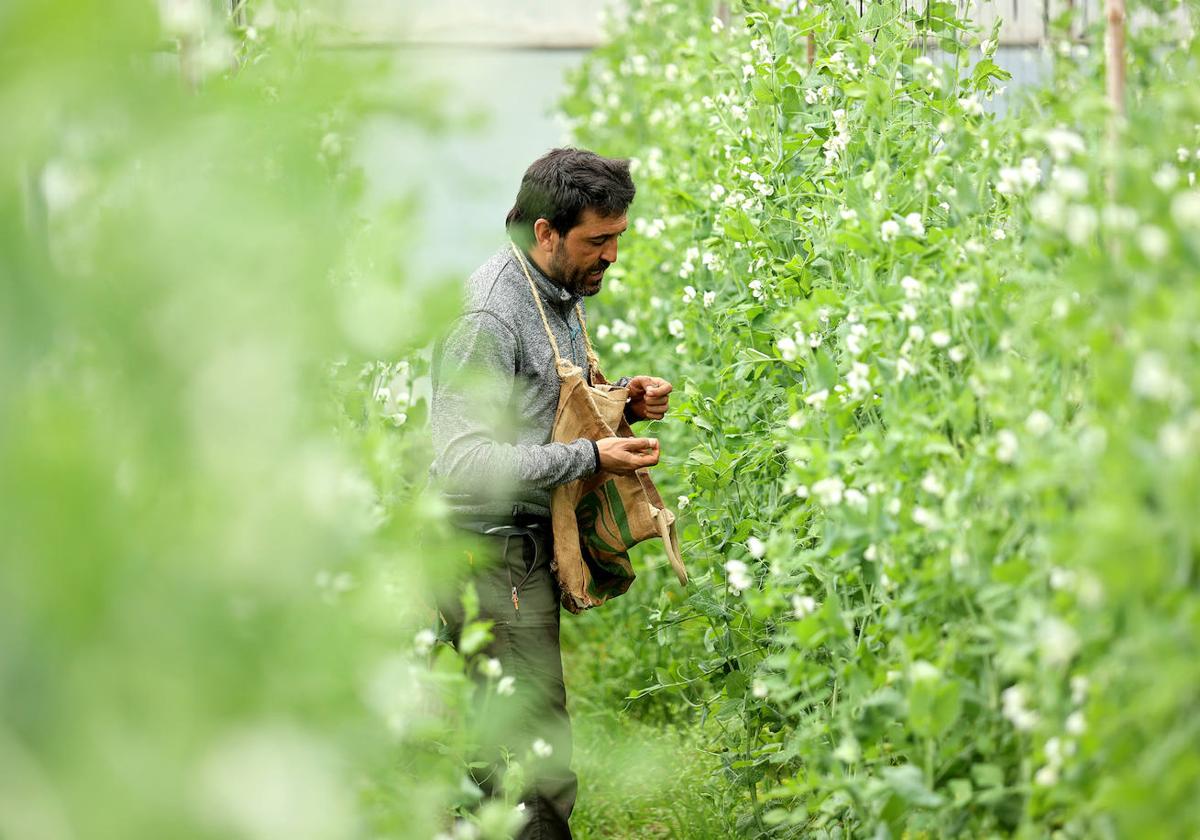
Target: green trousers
(531,723)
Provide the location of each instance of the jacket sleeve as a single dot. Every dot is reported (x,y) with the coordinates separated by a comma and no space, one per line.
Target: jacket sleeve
(472,412)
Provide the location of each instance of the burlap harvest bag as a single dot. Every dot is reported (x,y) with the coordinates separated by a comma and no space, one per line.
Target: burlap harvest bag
(597,519)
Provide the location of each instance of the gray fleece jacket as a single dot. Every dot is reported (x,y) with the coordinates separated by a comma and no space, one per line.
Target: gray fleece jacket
(495,393)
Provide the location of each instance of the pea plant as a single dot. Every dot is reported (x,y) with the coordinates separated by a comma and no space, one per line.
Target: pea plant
(934,414)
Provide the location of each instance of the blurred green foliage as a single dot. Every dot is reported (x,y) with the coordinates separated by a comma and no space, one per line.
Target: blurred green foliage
(212,548)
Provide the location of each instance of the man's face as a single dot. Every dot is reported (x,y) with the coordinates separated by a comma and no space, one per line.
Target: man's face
(579,259)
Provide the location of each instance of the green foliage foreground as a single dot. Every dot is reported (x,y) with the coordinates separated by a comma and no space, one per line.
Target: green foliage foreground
(942,453)
(208,539)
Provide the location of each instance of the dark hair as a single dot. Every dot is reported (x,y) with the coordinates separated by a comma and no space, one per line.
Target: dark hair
(560,184)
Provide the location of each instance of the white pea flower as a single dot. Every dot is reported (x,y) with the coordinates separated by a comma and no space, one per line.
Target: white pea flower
(1055,752)
(829,491)
(963,295)
(803,606)
(818,398)
(507,686)
(1030,172)
(709,297)
(1076,724)
(756,290)
(916,332)
(756,547)
(1173,440)
(1183,154)
(1061,578)
(907,312)
(810,96)
(854,339)
(423,642)
(1057,642)
(911,286)
(1013,700)
(621,348)
(998,234)
(1154,380)
(940,338)
(1064,143)
(684,501)
(675,328)
(689,294)
(1079,690)
(904,369)
(925,518)
(717,25)
(957,354)
(855,499)
(915,224)
(491,668)
(1153,241)
(1006,446)
(970,105)
(1038,423)
(1046,777)
(847,214)
(737,112)
(716,193)
(541,749)
(1081,223)
(787,348)
(1166,177)
(1069,181)
(932,484)
(759,689)
(802,492)
(1185,209)
(739,578)
(858,380)
(889,230)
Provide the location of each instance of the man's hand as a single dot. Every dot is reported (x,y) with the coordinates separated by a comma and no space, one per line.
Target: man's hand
(648,397)
(624,455)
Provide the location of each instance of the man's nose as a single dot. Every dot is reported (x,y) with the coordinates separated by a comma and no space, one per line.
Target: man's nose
(609,254)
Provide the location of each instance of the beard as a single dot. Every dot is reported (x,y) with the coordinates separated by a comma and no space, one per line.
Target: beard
(578,280)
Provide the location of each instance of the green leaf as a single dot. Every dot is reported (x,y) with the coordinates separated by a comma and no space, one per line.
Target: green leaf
(933,706)
(475,637)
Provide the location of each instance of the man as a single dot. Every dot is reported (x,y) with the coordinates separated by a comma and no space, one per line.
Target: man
(495,391)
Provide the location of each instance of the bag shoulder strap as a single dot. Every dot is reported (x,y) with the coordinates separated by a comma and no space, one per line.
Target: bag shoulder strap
(593,359)
(564,367)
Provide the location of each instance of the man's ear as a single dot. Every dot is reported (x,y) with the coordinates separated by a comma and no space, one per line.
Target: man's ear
(543,235)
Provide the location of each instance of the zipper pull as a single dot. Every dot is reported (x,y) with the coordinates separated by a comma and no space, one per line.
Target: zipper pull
(516,601)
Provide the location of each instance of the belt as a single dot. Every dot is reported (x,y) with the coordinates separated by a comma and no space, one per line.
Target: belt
(501,525)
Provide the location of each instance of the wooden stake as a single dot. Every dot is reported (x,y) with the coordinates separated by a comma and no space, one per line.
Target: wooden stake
(1115,11)
(1115,78)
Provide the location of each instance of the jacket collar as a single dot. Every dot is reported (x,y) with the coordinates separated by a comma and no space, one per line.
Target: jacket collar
(551,292)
